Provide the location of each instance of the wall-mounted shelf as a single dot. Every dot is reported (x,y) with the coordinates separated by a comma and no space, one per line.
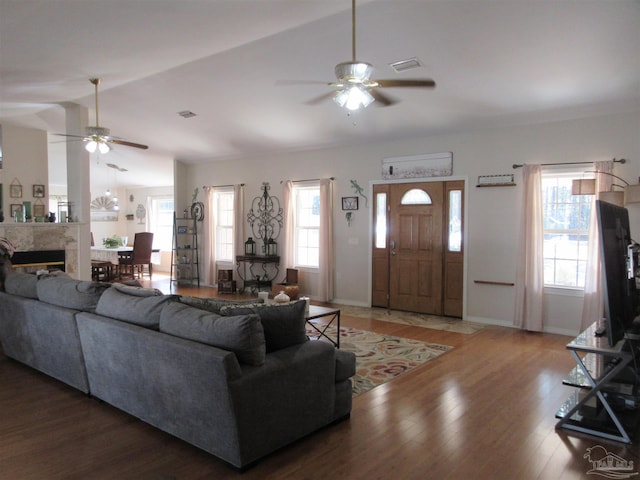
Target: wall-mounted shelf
(497,185)
(505,180)
(488,282)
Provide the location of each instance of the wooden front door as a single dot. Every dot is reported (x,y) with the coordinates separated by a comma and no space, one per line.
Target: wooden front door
(412,267)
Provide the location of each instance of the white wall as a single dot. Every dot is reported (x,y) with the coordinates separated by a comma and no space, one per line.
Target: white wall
(25,160)
(491,213)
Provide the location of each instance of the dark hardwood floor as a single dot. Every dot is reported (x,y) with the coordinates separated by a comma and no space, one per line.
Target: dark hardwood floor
(485,410)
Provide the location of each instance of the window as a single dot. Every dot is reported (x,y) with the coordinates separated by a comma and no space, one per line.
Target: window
(161,222)
(223,208)
(415,196)
(566,228)
(307,225)
(381,220)
(455,221)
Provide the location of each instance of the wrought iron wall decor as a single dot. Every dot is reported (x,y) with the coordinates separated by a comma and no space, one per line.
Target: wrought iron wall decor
(265,216)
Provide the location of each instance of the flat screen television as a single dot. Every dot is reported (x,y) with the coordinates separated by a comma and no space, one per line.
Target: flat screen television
(619,285)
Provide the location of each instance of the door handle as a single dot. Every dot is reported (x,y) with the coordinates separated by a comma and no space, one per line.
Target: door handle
(393,252)
(392,244)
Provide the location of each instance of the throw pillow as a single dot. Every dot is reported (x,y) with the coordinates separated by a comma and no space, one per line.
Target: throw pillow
(214,304)
(284,324)
(242,334)
(140,310)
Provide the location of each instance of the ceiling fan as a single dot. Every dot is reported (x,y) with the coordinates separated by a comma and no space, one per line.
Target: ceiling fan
(355,88)
(99,138)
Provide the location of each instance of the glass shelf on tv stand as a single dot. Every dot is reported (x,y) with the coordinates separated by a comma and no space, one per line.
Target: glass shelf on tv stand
(588,409)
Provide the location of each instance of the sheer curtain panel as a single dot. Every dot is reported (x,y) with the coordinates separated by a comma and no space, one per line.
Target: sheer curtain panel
(530,263)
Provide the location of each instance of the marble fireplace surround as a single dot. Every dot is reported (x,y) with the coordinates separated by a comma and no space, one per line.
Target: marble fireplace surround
(46,236)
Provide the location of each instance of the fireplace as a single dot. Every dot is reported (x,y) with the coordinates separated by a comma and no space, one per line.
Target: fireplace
(39,260)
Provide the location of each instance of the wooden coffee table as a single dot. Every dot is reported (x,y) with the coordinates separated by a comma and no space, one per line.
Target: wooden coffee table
(332,314)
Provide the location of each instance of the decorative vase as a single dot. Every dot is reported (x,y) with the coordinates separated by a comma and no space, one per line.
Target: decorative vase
(281,297)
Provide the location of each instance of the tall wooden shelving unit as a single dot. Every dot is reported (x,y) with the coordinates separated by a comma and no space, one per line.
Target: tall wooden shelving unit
(185,264)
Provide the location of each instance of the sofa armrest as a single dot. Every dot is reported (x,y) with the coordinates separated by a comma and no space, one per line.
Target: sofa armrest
(290,396)
(345,365)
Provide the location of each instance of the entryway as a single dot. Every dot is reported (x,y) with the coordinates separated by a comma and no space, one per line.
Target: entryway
(417,250)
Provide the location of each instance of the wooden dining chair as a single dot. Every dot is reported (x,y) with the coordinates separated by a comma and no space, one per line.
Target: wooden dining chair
(134,262)
(100,269)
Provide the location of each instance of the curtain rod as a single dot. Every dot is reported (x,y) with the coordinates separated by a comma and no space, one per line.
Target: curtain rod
(308,180)
(622,160)
(220,186)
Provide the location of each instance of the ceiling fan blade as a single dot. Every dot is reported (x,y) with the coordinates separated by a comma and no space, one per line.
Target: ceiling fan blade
(68,135)
(424,83)
(384,99)
(321,98)
(300,82)
(128,144)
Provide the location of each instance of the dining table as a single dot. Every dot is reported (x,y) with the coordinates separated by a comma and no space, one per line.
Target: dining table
(106,254)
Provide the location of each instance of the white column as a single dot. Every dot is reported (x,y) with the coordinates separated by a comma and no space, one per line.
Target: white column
(79,185)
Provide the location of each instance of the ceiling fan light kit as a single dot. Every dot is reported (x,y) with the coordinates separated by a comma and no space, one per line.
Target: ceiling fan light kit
(353,98)
(356,89)
(97,137)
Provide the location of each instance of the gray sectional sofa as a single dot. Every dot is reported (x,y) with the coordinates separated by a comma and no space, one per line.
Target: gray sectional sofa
(238,381)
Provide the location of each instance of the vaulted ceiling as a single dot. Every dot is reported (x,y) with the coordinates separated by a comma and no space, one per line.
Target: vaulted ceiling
(496,62)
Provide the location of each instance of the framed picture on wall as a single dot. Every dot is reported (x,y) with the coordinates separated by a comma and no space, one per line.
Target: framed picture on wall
(15,190)
(349,203)
(38,191)
(38,210)
(16,210)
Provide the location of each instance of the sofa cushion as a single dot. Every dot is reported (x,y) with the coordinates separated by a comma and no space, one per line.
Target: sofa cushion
(214,304)
(70,293)
(284,324)
(241,334)
(21,284)
(133,307)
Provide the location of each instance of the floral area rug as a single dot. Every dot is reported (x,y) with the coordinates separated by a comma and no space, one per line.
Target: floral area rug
(381,357)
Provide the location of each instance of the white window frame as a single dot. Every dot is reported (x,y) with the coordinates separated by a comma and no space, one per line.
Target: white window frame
(162,231)
(579,256)
(224,224)
(304,229)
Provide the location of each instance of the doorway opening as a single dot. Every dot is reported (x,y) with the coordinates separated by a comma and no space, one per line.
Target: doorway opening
(417,247)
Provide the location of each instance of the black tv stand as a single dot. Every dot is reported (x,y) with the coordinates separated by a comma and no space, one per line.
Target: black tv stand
(605,402)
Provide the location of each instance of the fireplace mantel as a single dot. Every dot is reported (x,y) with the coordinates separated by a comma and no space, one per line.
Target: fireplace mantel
(47,236)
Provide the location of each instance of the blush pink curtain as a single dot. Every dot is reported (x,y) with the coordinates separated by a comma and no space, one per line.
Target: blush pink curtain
(208,239)
(239,224)
(593,303)
(327,254)
(530,262)
(287,257)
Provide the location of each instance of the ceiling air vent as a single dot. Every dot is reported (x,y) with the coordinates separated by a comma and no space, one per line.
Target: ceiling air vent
(404,65)
(186,114)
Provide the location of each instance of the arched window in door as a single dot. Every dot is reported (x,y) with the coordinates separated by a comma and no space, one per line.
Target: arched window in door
(416,196)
